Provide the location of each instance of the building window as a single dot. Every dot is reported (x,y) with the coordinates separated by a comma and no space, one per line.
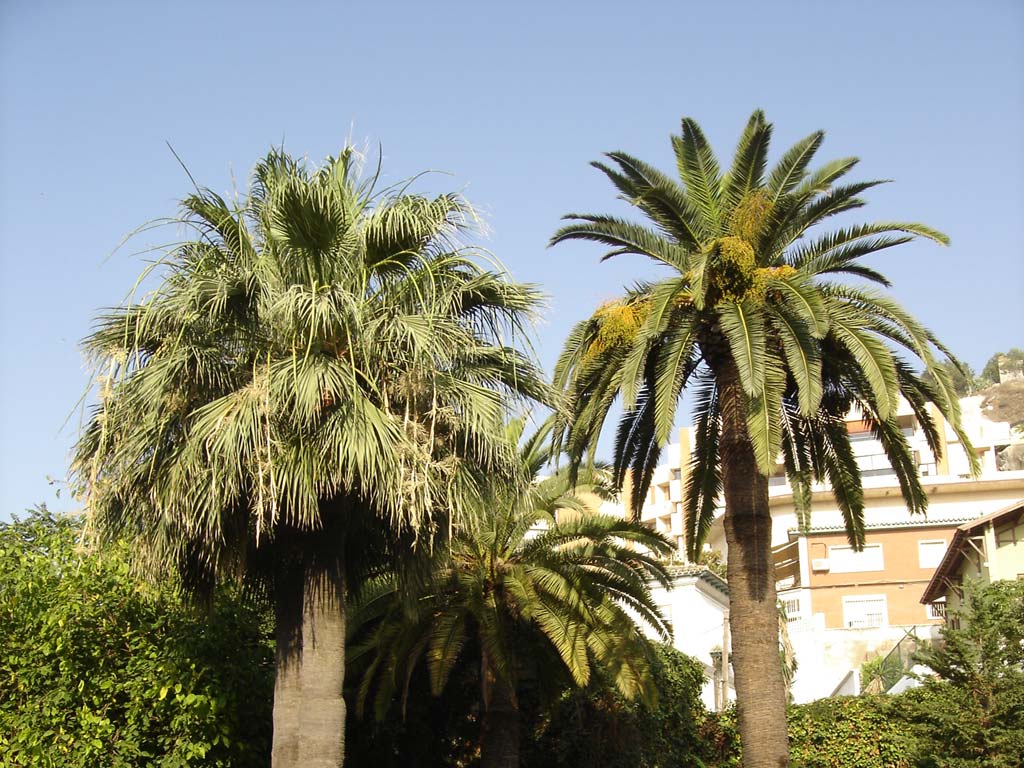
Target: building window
(936,610)
(845,560)
(676,474)
(930,552)
(791,606)
(865,611)
(1010,534)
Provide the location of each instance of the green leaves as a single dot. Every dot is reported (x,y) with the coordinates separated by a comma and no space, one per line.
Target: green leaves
(803,358)
(318,340)
(873,357)
(748,166)
(98,668)
(743,326)
(792,168)
(507,583)
(697,167)
(750,291)
(805,300)
(764,426)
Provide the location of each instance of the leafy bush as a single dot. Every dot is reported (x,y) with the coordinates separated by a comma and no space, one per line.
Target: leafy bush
(974,715)
(850,732)
(841,732)
(888,669)
(971,715)
(98,670)
(596,726)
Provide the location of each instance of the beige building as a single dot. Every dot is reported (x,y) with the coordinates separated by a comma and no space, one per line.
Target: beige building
(988,549)
(846,607)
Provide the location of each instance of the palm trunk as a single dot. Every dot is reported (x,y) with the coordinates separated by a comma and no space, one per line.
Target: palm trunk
(287,661)
(499,737)
(322,673)
(753,616)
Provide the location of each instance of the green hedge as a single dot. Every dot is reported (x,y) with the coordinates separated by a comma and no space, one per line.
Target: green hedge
(843,732)
(97,670)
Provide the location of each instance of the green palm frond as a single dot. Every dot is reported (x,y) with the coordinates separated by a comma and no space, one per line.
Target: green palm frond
(699,171)
(316,346)
(747,172)
(802,354)
(656,195)
(743,325)
(577,585)
(792,168)
(754,290)
(704,475)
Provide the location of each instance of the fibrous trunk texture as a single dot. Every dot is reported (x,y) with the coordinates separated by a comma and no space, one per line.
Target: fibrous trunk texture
(322,720)
(753,615)
(309,708)
(499,739)
(288,658)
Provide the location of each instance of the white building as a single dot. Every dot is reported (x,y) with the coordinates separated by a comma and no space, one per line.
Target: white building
(844,607)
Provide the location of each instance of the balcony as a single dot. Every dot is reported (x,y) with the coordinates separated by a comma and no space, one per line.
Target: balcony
(787,565)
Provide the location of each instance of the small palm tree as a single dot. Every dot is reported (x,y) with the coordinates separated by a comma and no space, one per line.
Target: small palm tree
(319,378)
(539,568)
(757,321)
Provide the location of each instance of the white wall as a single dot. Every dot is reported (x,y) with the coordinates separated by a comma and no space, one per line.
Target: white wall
(826,656)
(696,611)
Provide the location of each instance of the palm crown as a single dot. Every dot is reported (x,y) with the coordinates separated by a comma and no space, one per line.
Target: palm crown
(320,341)
(537,568)
(321,377)
(756,297)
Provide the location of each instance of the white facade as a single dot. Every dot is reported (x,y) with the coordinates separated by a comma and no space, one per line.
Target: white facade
(827,656)
(696,607)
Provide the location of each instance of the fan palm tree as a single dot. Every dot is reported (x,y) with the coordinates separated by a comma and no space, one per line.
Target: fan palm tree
(537,569)
(320,377)
(760,320)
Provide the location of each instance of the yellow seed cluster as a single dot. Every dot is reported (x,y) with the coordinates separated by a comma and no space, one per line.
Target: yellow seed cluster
(618,323)
(750,217)
(731,266)
(759,289)
(732,271)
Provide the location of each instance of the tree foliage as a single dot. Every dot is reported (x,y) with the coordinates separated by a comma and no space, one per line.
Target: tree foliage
(318,349)
(961,376)
(597,726)
(767,320)
(759,291)
(98,670)
(537,575)
(318,381)
(1012,359)
(974,714)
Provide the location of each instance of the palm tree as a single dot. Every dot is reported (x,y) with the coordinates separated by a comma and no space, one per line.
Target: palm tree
(757,321)
(538,569)
(320,378)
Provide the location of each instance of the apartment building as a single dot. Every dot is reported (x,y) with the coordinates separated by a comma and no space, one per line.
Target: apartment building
(846,607)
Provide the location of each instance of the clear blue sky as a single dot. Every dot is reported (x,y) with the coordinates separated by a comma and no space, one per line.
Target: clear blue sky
(513,102)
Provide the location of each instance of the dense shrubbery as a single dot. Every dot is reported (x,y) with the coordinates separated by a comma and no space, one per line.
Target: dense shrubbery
(596,726)
(590,726)
(99,670)
(972,715)
(849,732)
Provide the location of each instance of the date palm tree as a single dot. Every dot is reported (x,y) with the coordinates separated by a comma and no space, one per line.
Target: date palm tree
(539,571)
(319,378)
(759,319)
